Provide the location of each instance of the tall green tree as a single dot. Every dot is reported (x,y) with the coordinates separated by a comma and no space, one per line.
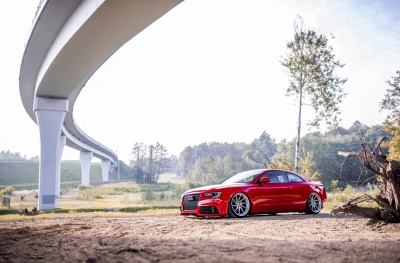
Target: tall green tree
(391,102)
(310,63)
(190,155)
(161,161)
(138,162)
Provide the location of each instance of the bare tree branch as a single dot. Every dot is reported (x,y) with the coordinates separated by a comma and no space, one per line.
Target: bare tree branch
(389,198)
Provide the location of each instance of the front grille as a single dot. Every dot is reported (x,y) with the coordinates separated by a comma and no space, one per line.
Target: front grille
(208,210)
(190,201)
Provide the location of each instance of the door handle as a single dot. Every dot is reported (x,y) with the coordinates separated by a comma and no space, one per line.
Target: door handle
(289,188)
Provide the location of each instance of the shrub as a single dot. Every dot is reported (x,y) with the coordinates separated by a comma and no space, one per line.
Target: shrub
(178,190)
(148,196)
(334,187)
(84,187)
(162,196)
(7,191)
(95,192)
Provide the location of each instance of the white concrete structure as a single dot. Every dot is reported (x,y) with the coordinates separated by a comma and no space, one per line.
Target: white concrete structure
(69,41)
(105,169)
(86,160)
(63,142)
(50,115)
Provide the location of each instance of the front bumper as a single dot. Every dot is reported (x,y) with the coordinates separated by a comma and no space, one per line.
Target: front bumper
(198,205)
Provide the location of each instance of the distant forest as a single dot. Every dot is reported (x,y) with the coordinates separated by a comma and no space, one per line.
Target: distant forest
(11,156)
(213,162)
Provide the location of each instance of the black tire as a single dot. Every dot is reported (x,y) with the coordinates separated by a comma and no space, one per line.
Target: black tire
(313,204)
(239,205)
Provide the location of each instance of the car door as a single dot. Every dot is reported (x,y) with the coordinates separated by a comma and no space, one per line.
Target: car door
(273,196)
(299,192)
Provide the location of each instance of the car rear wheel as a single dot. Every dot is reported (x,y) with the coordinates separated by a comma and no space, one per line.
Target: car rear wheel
(239,205)
(314,204)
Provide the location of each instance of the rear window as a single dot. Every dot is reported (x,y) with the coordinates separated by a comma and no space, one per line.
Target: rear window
(294,178)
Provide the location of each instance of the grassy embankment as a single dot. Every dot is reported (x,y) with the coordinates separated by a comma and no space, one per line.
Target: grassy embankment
(24,175)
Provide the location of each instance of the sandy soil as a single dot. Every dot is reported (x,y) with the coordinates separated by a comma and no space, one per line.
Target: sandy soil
(173,238)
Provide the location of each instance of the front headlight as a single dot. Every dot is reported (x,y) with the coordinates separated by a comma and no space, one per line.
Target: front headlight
(213,194)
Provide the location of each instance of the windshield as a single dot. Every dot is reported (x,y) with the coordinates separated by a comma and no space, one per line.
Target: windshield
(244,177)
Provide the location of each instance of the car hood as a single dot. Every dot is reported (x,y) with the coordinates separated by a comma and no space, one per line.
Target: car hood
(216,187)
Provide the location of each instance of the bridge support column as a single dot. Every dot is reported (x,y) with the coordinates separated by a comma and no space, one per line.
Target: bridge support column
(105,169)
(50,115)
(86,159)
(63,142)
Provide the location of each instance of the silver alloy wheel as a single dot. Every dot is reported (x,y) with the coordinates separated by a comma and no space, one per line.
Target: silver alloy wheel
(314,203)
(240,204)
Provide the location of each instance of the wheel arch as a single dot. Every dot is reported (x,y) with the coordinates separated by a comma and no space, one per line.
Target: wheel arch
(240,191)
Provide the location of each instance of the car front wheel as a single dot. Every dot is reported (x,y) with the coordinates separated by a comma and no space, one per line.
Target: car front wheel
(314,204)
(239,205)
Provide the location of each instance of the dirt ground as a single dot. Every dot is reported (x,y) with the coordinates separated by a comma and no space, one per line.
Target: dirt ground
(173,238)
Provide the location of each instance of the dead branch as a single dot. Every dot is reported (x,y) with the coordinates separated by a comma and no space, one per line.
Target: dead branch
(389,198)
(379,144)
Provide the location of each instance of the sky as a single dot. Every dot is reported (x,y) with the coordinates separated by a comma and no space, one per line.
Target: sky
(209,71)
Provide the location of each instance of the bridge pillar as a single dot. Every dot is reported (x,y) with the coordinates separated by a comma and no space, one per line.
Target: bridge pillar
(86,159)
(50,115)
(105,169)
(63,142)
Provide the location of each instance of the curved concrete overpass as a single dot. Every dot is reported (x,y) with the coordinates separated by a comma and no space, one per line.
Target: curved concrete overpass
(69,41)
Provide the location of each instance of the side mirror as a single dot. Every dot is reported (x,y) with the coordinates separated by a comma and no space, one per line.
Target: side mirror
(264,180)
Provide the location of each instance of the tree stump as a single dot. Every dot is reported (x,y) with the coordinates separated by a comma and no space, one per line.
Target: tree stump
(388,173)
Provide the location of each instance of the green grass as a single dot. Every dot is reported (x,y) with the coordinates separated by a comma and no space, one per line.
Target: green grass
(123,194)
(342,195)
(25,175)
(17,173)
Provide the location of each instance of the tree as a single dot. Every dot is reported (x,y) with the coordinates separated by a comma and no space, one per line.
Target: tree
(161,161)
(310,63)
(185,162)
(307,166)
(392,124)
(388,173)
(148,162)
(10,156)
(138,162)
(262,150)
(190,155)
(230,165)
(207,170)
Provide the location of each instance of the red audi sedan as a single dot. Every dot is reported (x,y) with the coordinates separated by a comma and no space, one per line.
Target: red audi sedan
(262,191)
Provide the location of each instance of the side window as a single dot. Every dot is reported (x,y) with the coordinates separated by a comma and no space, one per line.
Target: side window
(277,177)
(294,178)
